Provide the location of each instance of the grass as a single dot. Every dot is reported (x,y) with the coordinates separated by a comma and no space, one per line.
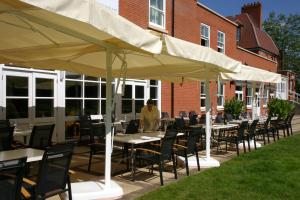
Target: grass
(272,172)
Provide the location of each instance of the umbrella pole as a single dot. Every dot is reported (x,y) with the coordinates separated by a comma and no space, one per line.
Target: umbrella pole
(254,108)
(208,117)
(108,144)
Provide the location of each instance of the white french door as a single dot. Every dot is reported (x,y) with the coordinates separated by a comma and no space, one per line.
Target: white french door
(28,97)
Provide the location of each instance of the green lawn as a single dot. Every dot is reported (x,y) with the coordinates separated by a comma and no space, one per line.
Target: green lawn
(272,172)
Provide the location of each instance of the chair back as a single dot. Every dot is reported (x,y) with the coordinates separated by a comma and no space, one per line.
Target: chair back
(41,136)
(193,119)
(179,123)
(182,114)
(97,133)
(252,127)
(228,117)
(133,126)
(11,178)
(4,123)
(167,143)
(192,140)
(241,130)
(202,119)
(290,118)
(267,122)
(54,167)
(6,138)
(165,115)
(219,119)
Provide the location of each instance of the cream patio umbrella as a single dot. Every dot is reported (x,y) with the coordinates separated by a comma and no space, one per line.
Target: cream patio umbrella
(82,37)
(253,74)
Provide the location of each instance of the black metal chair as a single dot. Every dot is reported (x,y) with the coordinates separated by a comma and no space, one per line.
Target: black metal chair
(266,130)
(236,136)
(219,118)
(163,153)
(84,128)
(289,123)
(190,147)
(133,126)
(53,173)
(193,119)
(250,134)
(4,123)
(179,124)
(97,141)
(6,138)
(41,136)
(228,117)
(165,115)
(11,176)
(182,114)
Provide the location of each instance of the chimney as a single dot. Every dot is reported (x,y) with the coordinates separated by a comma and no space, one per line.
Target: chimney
(255,11)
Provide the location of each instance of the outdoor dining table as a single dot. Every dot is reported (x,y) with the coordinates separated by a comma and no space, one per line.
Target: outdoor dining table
(31,154)
(137,139)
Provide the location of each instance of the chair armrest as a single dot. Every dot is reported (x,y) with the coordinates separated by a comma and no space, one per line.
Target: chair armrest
(25,193)
(153,144)
(71,172)
(148,150)
(181,146)
(28,181)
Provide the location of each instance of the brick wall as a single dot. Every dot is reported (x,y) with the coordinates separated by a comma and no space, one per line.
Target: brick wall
(188,17)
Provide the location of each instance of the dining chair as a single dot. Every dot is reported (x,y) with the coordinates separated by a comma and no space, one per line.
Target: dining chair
(4,123)
(182,114)
(97,141)
(236,136)
(189,148)
(6,138)
(84,128)
(11,176)
(250,134)
(289,123)
(54,174)
(219,118)
(133,126)
(160,155)
(41,136)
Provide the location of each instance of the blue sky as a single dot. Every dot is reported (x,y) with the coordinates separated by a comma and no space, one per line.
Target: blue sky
(233,7)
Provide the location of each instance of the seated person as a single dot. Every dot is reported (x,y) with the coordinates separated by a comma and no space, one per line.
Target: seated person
(149,118)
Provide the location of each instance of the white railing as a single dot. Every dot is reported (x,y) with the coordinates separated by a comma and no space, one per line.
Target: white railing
(294,96)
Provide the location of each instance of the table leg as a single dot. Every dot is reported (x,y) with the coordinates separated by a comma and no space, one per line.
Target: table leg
(132,162)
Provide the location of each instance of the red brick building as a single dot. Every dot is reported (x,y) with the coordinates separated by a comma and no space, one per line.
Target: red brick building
(240,37)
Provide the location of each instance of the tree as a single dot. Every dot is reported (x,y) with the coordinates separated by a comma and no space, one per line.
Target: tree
(285,32)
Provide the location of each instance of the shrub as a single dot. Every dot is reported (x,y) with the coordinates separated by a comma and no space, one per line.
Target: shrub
(280,108)
(234,107)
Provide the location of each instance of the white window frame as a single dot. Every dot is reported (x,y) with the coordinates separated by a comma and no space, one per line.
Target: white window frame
(202,95)
(207,38)
(163,26)
(266,96)
(221,42)
(221,94)
(249,98)
(239,93)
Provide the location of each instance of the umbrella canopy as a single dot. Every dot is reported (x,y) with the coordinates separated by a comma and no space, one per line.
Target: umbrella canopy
(45,35)
(248,73)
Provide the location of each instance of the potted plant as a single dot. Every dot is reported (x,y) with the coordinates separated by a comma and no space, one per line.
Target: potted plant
(280,108)
(234,107)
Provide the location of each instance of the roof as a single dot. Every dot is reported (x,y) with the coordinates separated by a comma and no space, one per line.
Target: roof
(252,36)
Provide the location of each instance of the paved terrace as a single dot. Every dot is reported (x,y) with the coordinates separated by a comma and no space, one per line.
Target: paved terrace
(145,181)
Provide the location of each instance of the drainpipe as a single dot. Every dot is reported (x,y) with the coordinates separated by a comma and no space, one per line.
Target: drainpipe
(172,34)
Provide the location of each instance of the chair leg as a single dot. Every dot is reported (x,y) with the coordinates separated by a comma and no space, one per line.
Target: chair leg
(198,163)
(277,134)
(237,147)
(264,138)
(69,189)
(283,132)
(244,146)
(186,165)
(249,148)
(161,173)
(90,161)
(174,166)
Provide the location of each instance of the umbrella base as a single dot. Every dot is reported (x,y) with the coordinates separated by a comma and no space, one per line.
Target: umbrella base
(89,190)
(204,162)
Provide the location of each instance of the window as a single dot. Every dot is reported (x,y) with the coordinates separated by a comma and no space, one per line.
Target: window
(127,99)
(44,97)
(221,95)
(84,95)
(17,96)
(249,96)
(154,91)
(221,42)
(202,95)
(266,96)
(157,11)
(239,92)
(205,35)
